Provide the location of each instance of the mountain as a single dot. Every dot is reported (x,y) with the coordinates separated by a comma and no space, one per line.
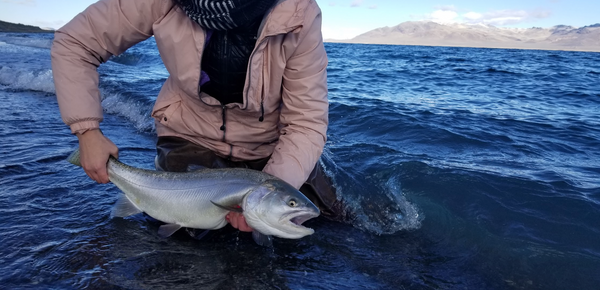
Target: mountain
(13,27)
(560,37)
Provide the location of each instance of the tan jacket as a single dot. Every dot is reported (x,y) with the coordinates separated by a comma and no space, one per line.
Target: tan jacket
(286,74)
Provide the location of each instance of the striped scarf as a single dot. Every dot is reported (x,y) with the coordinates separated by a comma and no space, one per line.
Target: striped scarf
(224,14)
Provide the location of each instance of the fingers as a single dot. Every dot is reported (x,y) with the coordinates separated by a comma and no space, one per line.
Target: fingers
(95,167)
(95,150)
(96,171)
(114,151)
(238,221)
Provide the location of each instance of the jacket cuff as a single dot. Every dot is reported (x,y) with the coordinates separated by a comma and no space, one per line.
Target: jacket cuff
(84,126)
(293,175)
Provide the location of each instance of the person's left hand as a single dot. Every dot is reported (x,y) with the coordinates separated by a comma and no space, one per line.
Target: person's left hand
(238,221)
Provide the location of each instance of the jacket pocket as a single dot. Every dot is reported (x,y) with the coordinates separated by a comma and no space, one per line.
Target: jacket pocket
(164,113)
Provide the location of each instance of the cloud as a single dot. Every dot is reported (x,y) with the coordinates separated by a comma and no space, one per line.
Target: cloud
(444,16)
(446,7)
(373,7)
(505,17)
(472,16)
(541,14)
(356,3)
(20,2)
(449,14)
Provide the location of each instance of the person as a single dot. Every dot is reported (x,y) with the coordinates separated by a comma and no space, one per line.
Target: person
(247,86)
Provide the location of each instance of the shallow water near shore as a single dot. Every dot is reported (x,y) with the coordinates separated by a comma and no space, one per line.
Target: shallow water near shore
(462,168)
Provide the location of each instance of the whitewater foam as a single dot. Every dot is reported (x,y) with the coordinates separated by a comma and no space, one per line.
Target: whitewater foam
(381,210)
(26,79)
(135,111)
(44,43)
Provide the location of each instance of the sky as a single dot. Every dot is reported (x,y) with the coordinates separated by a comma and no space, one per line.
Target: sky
(344,19)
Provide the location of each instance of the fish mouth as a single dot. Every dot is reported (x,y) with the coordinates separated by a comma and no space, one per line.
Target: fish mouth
(296,219)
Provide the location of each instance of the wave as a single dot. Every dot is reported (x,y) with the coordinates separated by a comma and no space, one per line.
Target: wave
(136,110)
(133,109)
(25,40)
(456,59)
(495,70)
(27,79)
(128,58)
(375,204)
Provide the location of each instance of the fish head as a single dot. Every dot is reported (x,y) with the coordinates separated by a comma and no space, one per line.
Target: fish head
(277,208)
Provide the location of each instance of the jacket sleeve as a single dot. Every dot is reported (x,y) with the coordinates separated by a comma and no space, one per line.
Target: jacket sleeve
(304,109)
(105,28)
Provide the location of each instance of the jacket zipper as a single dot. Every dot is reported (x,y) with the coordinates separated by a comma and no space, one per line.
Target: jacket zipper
(224,126)
(225,54)
(262,108)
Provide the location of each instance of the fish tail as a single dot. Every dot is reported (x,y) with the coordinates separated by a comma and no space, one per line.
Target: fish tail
(74,158)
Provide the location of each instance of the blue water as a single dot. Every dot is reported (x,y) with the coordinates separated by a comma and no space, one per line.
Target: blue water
(462,168)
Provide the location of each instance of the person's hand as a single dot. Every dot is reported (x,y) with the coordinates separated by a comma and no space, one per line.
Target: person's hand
(94,151)
(238,221)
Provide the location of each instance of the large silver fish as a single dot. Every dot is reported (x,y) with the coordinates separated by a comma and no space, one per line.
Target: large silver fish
(201,199)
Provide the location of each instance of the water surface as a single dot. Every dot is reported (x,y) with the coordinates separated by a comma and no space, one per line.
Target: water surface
(463,168)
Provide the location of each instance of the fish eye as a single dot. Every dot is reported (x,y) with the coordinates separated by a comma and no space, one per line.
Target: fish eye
(292,203)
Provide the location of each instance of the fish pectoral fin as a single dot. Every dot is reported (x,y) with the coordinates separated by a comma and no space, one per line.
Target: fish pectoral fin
(228,208)
(168,229)
(124,207)
(262,240)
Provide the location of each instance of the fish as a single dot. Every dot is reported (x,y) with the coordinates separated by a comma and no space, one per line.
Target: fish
(202,198)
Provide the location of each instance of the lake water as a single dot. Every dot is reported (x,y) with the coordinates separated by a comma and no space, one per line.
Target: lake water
(462,168)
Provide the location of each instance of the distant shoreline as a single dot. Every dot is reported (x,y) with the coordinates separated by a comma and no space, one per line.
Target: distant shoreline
(429,33)
(579,49)
(7,27)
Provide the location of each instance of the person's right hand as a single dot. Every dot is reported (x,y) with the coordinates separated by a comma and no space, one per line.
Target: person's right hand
(238,221)
(94,151)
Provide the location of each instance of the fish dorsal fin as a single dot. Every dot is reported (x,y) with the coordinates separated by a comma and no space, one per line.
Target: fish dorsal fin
(124,207)
(168,229)
(262,240)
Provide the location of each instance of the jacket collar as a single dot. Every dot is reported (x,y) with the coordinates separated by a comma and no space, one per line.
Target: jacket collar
(283,17)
